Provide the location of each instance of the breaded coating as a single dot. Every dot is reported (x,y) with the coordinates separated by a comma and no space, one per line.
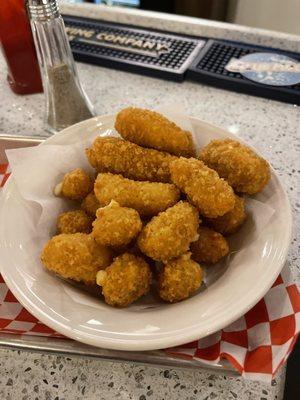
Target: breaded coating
(76,221)
(203,186)
(243,169)
(210,247)
(151,129)
(232,221)
(132,161)
(125,280)
(148,198)
(116,225)
(75,185)
(169,234)
(133,248)
(90,204)
(75,256)
(180,278)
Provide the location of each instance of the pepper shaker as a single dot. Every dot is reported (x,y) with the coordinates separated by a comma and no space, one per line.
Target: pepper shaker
(66,101)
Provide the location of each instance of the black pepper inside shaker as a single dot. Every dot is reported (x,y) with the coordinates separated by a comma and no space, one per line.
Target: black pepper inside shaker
(66,101)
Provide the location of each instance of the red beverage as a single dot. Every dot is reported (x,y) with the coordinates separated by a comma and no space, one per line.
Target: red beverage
(18,48)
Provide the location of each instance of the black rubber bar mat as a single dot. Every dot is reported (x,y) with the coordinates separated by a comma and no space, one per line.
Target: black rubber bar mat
(158,54)
(170,56)
(209,68)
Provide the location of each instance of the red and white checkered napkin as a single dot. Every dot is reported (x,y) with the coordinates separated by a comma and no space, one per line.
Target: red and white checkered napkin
(256,344)
(260,341)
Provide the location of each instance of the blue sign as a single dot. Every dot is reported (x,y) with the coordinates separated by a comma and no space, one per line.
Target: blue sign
(267,68)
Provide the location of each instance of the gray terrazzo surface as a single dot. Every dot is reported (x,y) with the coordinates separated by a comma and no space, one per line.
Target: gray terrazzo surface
(30,376)
(186,25)
(272,127)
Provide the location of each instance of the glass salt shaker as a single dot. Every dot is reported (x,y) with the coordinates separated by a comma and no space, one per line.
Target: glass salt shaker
(66,101)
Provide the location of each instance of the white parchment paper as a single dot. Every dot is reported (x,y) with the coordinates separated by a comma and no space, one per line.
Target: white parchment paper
(37,170)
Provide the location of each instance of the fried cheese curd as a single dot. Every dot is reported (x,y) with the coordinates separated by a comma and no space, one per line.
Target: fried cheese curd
(126,280)
(243,169)
(148,198)
(231,221)
(150,129)
(179,279)
(119,156)
(203,186)
(210,247)
(115,225)
(75,256)
(75,185)
(76,221)
(169,234)
(90,204)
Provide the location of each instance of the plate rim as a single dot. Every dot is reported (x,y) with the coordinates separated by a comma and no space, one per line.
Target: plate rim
(166,341)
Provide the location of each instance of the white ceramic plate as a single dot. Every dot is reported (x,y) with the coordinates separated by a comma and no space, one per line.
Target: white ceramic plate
(76,314)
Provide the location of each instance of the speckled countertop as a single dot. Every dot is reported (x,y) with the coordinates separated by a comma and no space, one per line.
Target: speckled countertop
(272,127)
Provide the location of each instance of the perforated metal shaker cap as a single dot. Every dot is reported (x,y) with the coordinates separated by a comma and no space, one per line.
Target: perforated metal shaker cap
(42,10)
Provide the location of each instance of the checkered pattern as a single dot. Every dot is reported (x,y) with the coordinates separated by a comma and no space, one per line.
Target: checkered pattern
(260,341)
(14,318)
(4,174)
(256,344)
